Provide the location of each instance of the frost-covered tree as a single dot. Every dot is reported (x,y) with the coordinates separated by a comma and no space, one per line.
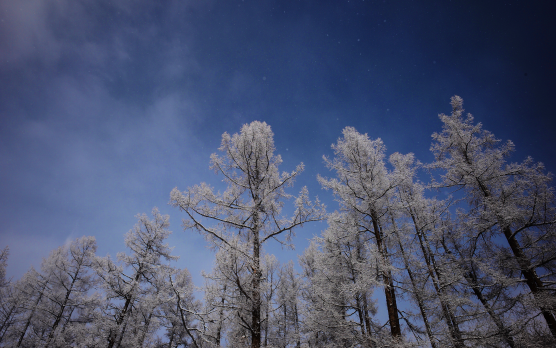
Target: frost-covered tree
(248,213)
(432,275)
(363,188)
(340,272)
(31,289)
(225,299)
(3,264)
(180,312)
(68,269)
(461,303)
(44,307)
(129,285)
(508,202)
(218,297)
(7,305)
(284,316)
(10,299)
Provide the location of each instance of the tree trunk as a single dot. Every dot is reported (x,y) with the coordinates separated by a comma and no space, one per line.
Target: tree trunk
(256,282)
(146,328)
(420,302)
(122,335)
(531,277)
(389,291)
(364,311)
(533,280)
(61,312)
(220,316)
(471,277)
(298,339)
(184,324)
(123,314)
(367,321)
(6,324)
(435,275)
(172,334)
(67,320)
(31,315)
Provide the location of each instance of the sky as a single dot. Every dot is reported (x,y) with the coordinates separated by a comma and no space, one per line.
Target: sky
(106,106)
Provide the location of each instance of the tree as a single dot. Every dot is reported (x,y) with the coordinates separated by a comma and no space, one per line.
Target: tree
(285,323)
(43,306)
(425,218)
(512,201)
(70,281)
(125,290)
(3,264)
(9,307)
(248,213)
(340,274)
(181,310)
(31,289)
(363,188)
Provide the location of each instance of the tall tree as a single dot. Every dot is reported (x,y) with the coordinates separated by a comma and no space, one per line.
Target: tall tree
(509,200)
(340,271)
(286,318)
(363,188)
(424,224)
(3,264)
(248,213)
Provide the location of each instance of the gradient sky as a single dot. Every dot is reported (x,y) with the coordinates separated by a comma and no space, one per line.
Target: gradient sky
(105,106)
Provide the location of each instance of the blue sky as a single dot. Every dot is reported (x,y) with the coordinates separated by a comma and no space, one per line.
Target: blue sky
(105,106)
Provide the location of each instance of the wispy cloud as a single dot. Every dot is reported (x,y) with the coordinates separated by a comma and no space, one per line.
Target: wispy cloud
(80,150)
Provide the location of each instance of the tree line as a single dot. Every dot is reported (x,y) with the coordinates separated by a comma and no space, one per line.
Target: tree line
(475,268)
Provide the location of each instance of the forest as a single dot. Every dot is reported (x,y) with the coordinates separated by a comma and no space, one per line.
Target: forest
(463,258)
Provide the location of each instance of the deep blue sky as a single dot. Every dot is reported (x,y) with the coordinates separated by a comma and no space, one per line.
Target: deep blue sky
(105,106)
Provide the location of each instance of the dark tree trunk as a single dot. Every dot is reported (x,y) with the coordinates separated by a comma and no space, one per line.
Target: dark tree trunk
(28,322)
(146,328)
(6,323)
(533,280)
(435,275)
(389,291)
(420,302)
(220,320)
(60,314)
(298,343)
(256,291)
(123,315)
(184,323)
(471,277)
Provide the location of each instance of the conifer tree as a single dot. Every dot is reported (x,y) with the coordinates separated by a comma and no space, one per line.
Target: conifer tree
(512,201)
(363,188)
(129,283)
(248,213)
